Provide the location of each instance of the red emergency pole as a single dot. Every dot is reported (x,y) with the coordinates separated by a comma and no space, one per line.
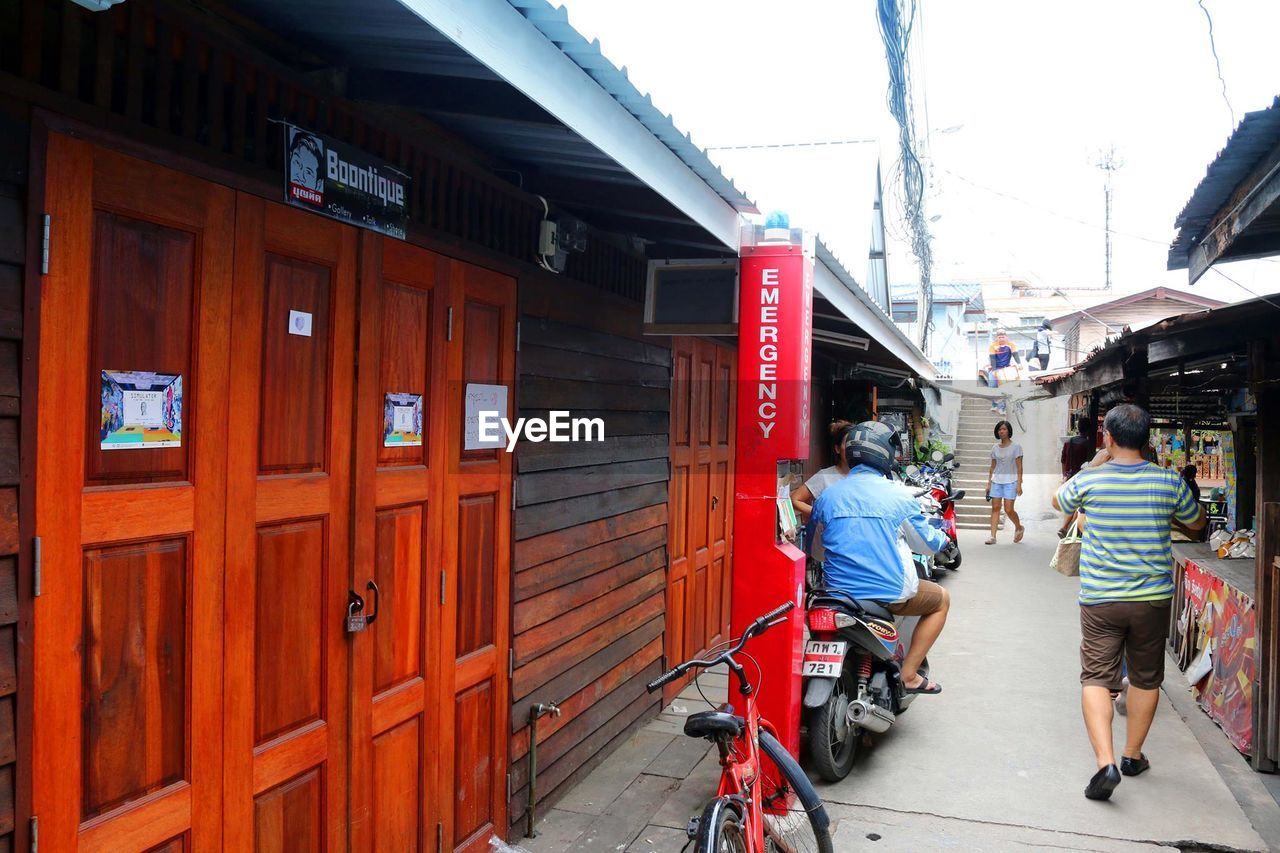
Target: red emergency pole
(775,324)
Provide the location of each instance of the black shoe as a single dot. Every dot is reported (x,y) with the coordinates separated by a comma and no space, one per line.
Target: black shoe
(1103,783)
(1134,766)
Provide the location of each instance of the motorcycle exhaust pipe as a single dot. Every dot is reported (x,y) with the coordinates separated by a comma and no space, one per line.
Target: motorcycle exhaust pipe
(870,716)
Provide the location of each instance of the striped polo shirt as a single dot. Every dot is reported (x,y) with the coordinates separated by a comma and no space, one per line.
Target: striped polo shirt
(1126,554)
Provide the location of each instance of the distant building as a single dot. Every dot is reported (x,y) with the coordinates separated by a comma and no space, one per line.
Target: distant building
(1086,329)
(966,316)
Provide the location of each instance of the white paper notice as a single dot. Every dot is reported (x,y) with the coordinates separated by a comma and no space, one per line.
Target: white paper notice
(300,323)
(483,398)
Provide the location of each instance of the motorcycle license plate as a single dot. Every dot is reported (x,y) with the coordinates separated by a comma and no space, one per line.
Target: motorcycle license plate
(823,658)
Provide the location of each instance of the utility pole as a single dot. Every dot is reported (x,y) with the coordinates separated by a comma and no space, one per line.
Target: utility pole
(1108,163)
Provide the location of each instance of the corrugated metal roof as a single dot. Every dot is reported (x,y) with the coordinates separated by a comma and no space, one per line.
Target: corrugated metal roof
(1253,138)
(553,22)
(824,256)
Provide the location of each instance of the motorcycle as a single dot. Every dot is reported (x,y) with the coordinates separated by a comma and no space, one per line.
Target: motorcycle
(852,677)
(938,501)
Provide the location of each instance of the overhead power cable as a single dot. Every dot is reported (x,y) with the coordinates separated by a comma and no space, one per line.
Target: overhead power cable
(817,143)
(896,18)
(1218,62)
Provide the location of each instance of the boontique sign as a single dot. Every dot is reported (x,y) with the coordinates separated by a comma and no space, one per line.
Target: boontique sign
(327,176)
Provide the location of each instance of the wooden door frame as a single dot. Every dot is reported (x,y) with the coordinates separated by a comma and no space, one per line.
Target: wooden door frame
(502,630)
(179,803)
(365,476)
(675,656)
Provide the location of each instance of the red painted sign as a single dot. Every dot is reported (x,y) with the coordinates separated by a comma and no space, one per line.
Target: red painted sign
(775,325)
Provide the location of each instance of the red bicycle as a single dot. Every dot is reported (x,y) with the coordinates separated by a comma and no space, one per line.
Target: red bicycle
(765,803)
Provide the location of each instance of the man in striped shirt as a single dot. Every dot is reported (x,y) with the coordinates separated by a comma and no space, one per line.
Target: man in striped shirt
(1126,583)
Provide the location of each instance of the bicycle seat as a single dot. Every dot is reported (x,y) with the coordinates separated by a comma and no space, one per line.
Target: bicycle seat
(714,724)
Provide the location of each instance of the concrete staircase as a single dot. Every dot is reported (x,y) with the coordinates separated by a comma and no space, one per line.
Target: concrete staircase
(974,437)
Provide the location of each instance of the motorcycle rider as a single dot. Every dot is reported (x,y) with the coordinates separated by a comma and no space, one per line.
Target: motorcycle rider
(866,517)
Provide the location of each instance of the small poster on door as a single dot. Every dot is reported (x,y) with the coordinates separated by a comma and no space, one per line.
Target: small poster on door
(141,410)
(402,420)
(491,402)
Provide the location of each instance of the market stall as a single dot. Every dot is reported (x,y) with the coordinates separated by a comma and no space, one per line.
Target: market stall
(1213,636)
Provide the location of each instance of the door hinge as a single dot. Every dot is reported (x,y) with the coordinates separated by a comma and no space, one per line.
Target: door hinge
(517,336)
(448,335)
(37,566)
(439,838)
(35,834)
(44,246)
(442,585)
(508,786)
(511,665)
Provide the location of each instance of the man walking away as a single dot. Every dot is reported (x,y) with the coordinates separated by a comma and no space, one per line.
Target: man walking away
(1126,583)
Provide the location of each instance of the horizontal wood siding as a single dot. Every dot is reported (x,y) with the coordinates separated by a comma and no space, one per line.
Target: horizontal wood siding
(13,234)
(590,554)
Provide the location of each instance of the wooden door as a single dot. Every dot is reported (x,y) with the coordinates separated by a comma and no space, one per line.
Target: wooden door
(128,622)
(396,731)
(700,499)
(477,564)
(288,526)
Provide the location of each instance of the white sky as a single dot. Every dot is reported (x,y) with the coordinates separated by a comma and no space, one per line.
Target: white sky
(1036,89)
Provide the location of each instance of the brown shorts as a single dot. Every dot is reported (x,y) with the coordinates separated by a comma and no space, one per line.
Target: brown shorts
(1135,629)
(929,598)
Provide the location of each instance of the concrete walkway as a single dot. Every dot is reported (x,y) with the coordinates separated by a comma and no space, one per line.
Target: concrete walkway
(997,762)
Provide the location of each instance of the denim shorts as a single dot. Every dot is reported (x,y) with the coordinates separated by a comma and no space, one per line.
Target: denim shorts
(1008,491)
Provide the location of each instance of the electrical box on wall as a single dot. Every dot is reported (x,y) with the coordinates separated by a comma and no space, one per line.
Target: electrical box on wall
(692,297)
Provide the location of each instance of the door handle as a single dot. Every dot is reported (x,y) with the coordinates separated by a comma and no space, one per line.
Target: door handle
(715,501)
(377,602)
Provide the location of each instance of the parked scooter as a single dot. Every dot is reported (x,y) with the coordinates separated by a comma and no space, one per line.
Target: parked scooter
(852,677)
(938,500)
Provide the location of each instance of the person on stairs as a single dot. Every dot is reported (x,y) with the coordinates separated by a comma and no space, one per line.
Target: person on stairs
(1004,480)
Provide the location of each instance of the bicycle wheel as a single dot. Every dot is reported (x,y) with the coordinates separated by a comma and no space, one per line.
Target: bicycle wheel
(720,829)
(795,821)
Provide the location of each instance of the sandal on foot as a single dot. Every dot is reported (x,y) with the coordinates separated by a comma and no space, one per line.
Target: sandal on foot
(1017,534)
(926,686)
(990,541)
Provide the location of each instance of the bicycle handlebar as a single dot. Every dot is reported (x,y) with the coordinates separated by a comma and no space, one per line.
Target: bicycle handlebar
(755,629)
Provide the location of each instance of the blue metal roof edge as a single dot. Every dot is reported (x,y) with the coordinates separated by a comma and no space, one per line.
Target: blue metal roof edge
(553,23)
(1257,133)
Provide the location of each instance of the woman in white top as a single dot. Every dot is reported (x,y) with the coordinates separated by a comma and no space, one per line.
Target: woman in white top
(802,498)
(1004,480)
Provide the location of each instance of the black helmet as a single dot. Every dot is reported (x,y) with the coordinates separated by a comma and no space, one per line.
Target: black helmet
(874,444)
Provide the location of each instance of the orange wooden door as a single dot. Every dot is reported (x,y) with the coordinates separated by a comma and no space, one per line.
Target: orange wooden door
(128,623)
(700,499)
(288,459)
(397,681)
(477,586)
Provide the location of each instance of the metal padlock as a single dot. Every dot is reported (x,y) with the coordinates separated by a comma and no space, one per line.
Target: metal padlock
(356,620)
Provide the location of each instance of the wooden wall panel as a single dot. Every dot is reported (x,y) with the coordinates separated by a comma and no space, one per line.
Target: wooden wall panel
(135,679)
(144,277)
(590,554)
(288,632)
(397,820)
(287,818)
(295,373)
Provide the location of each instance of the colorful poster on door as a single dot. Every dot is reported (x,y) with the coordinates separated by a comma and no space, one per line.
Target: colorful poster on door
(141,410)
(402,420)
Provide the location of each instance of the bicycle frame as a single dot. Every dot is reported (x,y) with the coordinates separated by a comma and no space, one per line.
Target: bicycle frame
(740,773)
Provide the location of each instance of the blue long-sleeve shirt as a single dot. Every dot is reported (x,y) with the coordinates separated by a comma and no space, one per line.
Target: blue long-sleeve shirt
(862,517)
